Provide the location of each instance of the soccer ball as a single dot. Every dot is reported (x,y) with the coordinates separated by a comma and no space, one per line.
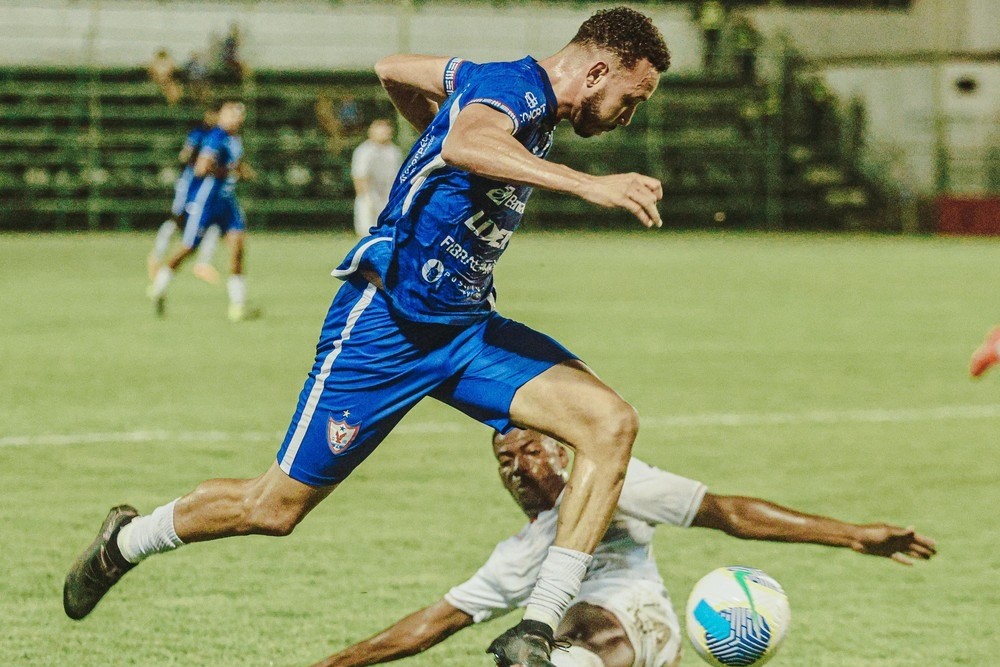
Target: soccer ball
(737,616)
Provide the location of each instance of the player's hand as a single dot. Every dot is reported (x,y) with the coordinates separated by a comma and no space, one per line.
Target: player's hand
(636,193)
(903,545)
(527,644)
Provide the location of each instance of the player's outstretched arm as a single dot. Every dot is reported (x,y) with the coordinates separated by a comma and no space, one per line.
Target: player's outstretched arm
(408,636)
(415,84)
(480,142)
(756,519)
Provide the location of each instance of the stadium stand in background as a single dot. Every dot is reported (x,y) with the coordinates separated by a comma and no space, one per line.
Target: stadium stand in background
(97,149)
(736,144)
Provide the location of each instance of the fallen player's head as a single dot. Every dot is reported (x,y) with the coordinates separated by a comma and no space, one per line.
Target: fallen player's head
(533,468)
(623,56)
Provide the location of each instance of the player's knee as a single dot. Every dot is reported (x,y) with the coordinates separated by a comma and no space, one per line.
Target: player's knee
(266,517)
(613,431)
(621,423)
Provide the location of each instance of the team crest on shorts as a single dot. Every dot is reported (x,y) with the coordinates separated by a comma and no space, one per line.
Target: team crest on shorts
(340,434)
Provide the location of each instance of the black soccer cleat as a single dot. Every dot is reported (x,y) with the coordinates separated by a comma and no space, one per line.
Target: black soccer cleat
(529,643)
(99,567)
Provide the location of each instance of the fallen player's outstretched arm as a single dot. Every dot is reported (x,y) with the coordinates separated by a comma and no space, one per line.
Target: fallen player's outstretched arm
(408,636)
(756,519)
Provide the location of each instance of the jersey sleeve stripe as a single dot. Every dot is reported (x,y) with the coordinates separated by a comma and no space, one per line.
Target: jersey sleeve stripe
(499,106)
(450,71)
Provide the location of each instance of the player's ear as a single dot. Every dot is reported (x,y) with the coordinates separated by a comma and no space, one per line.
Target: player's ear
(597,73)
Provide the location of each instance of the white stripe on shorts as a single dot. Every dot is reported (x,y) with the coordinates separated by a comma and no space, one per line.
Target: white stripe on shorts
(324,372)
(196,209)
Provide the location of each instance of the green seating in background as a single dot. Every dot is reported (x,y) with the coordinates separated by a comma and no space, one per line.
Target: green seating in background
(98,149)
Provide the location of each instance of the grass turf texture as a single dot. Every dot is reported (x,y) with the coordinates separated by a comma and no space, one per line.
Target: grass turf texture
(679,324)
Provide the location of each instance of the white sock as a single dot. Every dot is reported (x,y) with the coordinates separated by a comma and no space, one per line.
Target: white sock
(148,535)
(237,287)
(209,242)
(161,281)
(162,242)
(558,583)
(576,656)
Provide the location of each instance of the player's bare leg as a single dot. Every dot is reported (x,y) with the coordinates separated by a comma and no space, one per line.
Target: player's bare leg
(986,355)
(157,291)
(203,268)
(160,246)
(569,403)
(236,285)
(272,504)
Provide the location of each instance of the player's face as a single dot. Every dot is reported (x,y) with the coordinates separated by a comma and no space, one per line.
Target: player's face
(380,132)
(231,117)
(532,468)
(611,95)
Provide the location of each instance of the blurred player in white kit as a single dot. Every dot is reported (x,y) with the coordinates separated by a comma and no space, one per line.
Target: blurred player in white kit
(374,165)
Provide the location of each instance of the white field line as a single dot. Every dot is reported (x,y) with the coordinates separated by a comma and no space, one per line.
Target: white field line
(873,416)
(733,420)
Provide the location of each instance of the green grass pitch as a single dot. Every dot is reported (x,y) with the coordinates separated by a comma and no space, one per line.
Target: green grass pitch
(826,373)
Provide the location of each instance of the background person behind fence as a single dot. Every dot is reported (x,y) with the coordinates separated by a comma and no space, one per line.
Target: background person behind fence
(374,165)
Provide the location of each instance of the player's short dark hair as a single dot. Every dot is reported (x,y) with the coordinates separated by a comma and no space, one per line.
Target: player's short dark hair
(628,34)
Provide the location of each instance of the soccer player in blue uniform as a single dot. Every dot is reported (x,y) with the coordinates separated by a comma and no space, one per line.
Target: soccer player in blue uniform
(188,156)
(415,316)
(211,200)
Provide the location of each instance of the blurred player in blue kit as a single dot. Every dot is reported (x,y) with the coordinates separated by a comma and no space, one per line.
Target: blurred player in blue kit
(188,156)
(416,315)
(211,200)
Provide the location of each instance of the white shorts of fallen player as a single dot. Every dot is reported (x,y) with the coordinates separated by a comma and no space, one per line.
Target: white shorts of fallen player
(645,612)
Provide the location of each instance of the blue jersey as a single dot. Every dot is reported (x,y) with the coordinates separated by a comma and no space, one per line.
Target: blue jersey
(193,141)
(443,230)
(227,150)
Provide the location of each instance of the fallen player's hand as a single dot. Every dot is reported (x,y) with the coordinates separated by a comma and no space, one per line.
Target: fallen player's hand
(903,545)
(633,192)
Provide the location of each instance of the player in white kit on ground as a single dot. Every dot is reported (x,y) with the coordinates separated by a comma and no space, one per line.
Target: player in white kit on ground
(623,616)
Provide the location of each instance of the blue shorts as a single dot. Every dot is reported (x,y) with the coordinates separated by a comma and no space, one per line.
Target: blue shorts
(215,209)
(372,367)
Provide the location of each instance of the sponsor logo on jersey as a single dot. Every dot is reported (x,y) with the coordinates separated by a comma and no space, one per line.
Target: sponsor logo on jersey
(432,270)
(529,116)
(477,265)
(340,434)
(530,98)
(506,197)
(425,143)
(488,231)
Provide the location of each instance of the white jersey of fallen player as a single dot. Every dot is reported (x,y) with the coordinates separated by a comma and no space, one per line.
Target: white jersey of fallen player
(379,164)
(649,497)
